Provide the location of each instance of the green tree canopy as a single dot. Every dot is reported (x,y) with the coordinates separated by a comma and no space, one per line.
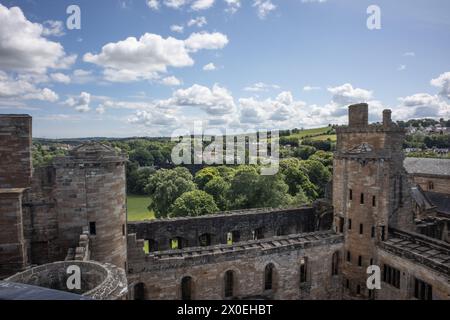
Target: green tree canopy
(205,175)
(165,186)
(218,188)
(193,203)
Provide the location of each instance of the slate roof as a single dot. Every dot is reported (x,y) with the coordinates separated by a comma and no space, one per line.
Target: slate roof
(427,166)
(421,198)
(440,200)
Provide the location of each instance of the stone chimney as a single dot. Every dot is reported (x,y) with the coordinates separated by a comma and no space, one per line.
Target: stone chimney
(387,121)
(358,115)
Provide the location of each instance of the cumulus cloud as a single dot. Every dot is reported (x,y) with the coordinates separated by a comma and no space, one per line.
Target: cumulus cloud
(171,81)
(174,4)
(214,101)
(232,6)
(409,54)
(80,103)
(346,94)
(53,28)
(205,40)
(199,22)
(23,46)
(263,7)
(60,77)
(443,83)
(23,88)
(202,4)
(153,4)
(209,67)
(177,28)
(144,58)
(260,87)
(401,67)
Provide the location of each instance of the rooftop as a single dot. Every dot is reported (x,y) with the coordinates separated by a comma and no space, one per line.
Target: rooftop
(427,166)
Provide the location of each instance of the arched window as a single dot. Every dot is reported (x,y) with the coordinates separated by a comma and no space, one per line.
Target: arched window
(229,284)
(139,291)
(268,277)
(335,264)
(186,288)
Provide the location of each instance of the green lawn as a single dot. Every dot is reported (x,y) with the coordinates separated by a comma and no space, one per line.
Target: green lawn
(137,208)
(311,132)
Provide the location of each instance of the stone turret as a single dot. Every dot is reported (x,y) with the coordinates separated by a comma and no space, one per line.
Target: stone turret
(91,192)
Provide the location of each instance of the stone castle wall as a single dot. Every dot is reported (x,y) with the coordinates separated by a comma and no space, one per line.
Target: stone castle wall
(160,274)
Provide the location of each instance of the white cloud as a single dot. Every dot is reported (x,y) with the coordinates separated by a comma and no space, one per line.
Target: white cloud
(346,94)
(232,6)
(82,76)
(215,101)
(144,58)
(153,4)
(310,88)
(199,22)
(314,1)
(23,46)
(421,105)
(44,95)
(260,87)
(171,81)
(177,28)
(23,88)
(205,40)
(60,77)
(264,7)
(209,67)
(174,4)
(409,54)
(100,109)
(401,67)
(443,83)
(80,103)
(202,4)
(53,28)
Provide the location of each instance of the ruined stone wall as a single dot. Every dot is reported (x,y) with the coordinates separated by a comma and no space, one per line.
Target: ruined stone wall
(271,222)
(161,276)
(409,270)
(13,256)
(40,218)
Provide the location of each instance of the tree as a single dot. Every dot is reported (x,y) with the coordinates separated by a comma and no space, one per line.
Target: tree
(193,203)
(297,178)
(304,152)
(205,175)
(326,158)
(219,189)
(142,156)
(165,186)
(244,187)
(318,174)
(271,191)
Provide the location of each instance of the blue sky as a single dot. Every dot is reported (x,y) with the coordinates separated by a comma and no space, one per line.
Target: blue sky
(148,67)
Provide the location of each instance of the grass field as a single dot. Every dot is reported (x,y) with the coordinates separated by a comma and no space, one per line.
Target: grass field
(311,132)
(137,208)
(332,137)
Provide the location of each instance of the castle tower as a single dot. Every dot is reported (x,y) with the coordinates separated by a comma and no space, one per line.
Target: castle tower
(91,193)
(15,177)
(369,192)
